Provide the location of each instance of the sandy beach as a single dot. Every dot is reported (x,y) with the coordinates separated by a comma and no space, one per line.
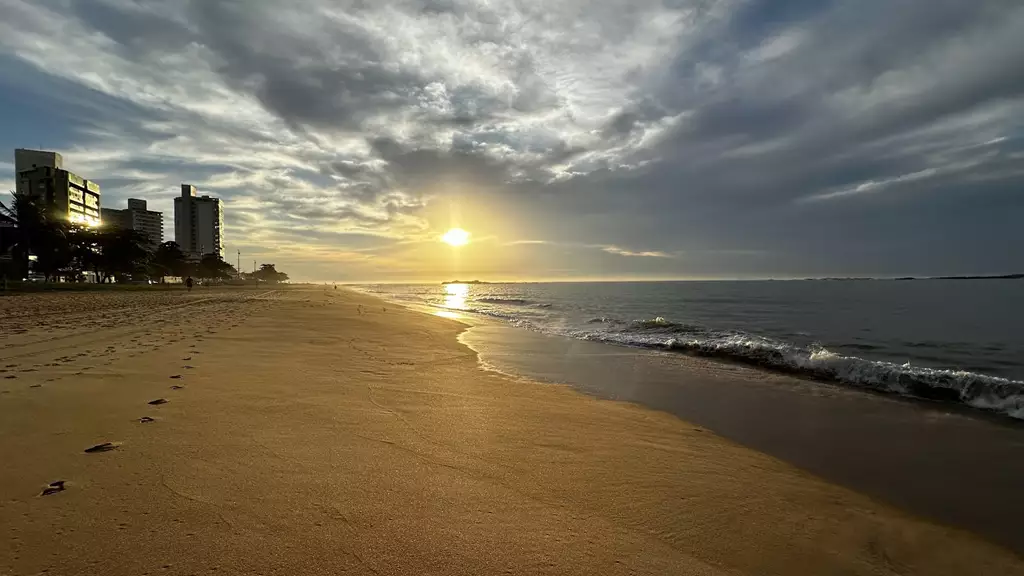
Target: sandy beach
(313,431)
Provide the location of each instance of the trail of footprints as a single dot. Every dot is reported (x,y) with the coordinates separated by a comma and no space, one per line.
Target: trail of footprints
(220,315)
(147,341)
(59,486)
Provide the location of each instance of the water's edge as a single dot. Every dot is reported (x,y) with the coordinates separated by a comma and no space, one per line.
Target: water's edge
(992,394)
(910,454)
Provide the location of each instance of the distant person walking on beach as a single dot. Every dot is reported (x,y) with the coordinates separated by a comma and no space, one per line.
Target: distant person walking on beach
(188,283)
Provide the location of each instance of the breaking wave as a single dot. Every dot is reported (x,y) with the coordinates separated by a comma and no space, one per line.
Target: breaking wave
(509,301)
(989,393)
(512,302)
(963,387)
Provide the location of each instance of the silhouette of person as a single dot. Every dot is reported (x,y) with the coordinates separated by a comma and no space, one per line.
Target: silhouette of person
(189,283)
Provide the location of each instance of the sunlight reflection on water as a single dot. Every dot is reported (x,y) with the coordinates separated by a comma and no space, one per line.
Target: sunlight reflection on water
(455,296)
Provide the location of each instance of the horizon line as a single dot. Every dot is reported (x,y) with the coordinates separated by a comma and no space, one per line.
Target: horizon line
(589,280)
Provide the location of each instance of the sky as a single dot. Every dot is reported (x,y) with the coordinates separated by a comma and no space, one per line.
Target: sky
(602,139)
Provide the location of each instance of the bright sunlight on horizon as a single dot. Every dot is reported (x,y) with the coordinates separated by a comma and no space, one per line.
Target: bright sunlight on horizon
(456,237)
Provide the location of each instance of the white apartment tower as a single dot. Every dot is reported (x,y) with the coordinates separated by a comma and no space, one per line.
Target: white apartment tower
(198,223)
(41,174)
(137,217)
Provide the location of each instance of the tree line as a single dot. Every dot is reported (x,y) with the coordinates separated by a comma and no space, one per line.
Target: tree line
(56,249)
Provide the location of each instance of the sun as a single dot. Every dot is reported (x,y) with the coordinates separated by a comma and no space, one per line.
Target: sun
(456,237)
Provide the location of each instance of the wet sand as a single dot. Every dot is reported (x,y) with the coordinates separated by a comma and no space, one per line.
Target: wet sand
(307,431)
(913,454)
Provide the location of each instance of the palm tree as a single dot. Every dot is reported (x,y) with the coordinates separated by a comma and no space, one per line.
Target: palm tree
(29,217)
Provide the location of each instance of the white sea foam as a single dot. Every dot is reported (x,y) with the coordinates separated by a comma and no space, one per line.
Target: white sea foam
(532,310)
(977,390)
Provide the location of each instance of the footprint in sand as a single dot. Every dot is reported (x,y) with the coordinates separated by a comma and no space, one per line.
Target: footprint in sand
(54,487)
(176,377)
(187,367)
(186,359)
(158,402)
(36,386)
(177,387)
(146,419)
(104,447)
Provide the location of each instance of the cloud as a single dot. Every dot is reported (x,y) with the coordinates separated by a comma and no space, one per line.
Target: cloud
(646,254)
(526,242)
(732,128)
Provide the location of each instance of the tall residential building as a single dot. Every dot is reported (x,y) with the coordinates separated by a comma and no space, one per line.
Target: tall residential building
(41,174)
(198,223)
(25,160)
(137,217)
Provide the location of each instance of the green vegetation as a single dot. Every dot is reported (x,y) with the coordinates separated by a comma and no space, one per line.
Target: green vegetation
(40,245)
(268,273)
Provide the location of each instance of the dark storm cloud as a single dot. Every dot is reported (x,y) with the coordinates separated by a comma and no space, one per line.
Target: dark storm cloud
(141,32)
(816,122)
(286,69)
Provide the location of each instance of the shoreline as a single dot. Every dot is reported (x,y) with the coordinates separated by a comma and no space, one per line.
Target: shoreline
(907,452)
(313,431)
(818,426)
(915,375)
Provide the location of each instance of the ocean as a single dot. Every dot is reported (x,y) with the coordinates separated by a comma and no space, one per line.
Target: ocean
(958,341)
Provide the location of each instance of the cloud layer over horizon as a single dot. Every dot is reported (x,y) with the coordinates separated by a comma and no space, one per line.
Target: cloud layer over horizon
(613,138)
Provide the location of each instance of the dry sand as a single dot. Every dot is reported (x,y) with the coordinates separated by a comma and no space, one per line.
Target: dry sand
(304,437)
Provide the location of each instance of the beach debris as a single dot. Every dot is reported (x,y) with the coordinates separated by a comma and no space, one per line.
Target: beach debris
(158,402)
(104,447)
(146,420)
(53,488)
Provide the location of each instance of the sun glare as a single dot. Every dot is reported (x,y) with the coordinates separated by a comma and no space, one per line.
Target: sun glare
(456,237)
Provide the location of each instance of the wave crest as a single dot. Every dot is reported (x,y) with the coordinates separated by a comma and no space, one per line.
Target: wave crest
(509,301)
(989,393)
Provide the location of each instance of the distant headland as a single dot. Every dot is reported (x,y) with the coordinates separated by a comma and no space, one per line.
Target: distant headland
(990,277)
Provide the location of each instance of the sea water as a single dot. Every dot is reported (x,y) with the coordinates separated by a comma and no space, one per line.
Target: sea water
(947,340)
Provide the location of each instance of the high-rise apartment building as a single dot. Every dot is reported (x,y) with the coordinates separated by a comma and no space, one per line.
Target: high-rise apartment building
(41,174)
(198,223)
(137,217)
(25,160)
